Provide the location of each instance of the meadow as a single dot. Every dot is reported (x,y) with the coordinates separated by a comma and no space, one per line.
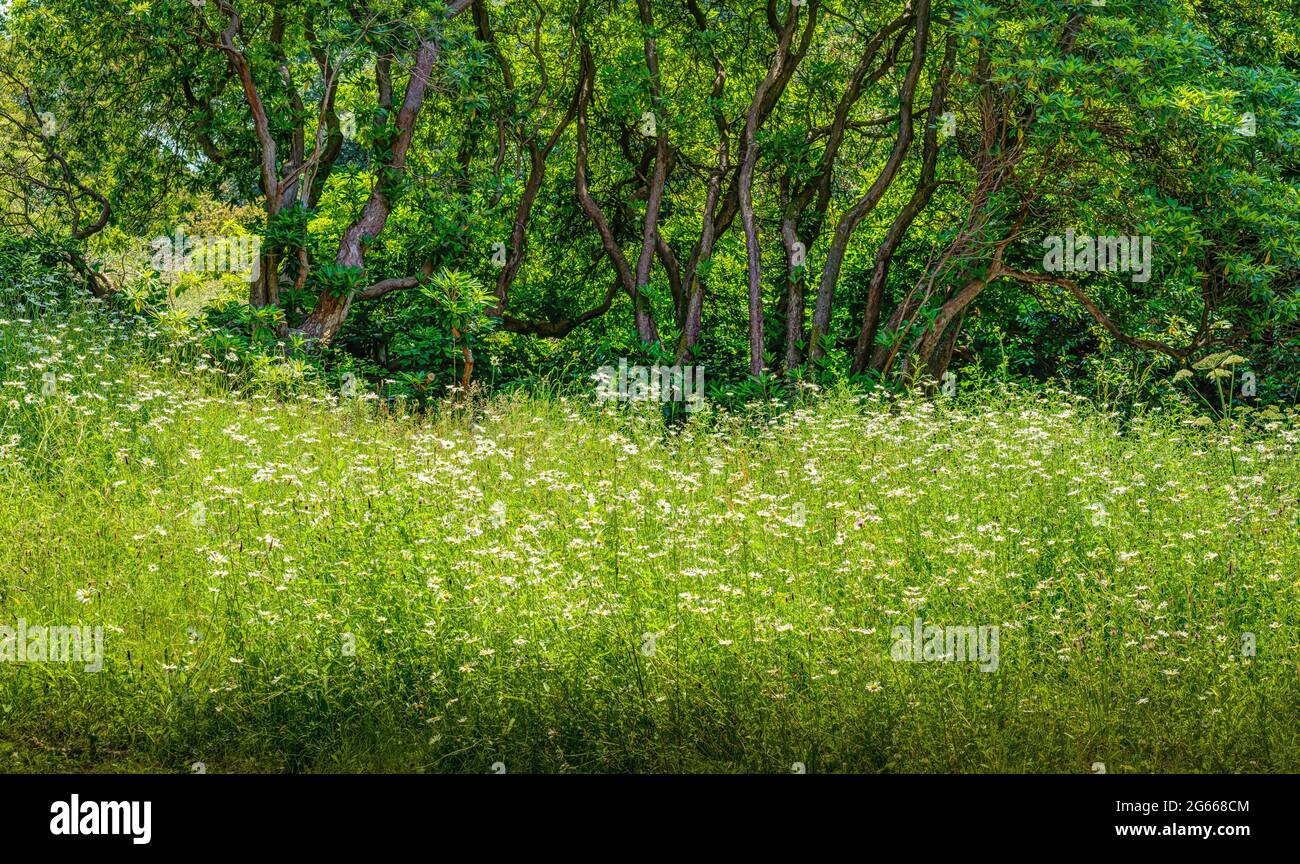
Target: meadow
(311,583)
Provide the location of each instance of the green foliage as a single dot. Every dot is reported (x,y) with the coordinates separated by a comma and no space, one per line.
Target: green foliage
(337,280)
(30,271)
(462,301)
(287,231)
(1132,126)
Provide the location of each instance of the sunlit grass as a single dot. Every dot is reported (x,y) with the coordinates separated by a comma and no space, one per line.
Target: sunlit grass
(309,585)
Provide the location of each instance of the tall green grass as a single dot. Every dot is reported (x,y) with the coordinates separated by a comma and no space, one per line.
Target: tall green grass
(321,584)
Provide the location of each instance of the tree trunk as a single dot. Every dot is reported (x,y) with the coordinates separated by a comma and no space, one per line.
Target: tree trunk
(923,350)
(331,311)
(749,158)
(925,188)
(849,222)
(794,302)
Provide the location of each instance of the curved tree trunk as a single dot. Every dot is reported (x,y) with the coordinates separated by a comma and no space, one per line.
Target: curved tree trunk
(749,159)
(330,311)
(850,221)
(925,188)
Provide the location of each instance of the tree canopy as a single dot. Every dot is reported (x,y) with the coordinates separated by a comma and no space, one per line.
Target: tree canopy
(799,190)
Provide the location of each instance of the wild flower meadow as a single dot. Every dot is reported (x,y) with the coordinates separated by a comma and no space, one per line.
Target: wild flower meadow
(316,583)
